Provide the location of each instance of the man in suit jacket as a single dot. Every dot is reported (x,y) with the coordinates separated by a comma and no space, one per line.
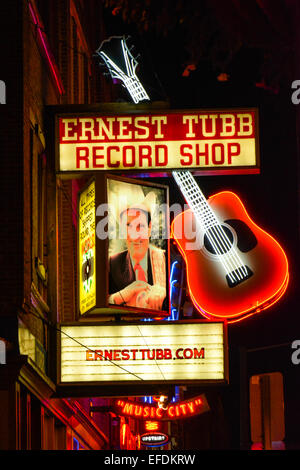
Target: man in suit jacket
(132,281)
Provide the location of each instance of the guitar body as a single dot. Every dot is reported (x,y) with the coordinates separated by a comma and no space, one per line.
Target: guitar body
(209,288)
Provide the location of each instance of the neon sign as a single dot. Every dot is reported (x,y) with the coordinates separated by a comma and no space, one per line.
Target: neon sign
(122,66)
(192,351)
(180,410)
(154,439)
(151,425)
(42,38)
(234,268)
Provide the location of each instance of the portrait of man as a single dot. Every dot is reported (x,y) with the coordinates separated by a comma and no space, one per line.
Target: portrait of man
(138,273)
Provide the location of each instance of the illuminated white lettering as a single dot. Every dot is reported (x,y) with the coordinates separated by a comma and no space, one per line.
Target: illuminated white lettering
(106,128)
(87,126)
(159,120)
(246,124)
(190,120)
(204,118)
(228,125)
(68,129)
(124,132)
(137,124)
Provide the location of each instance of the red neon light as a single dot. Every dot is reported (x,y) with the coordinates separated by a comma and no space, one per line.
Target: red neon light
(152,425)
(46,48)
(209,293)
(184,409)
(156,398)
(123,434)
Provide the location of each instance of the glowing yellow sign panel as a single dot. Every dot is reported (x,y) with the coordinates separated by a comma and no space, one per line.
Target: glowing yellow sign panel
(142,352)
(86,249)
(217,141)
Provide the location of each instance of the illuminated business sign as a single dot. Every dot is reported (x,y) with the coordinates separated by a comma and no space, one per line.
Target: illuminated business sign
(86,249)
(159,352)
(123,247)
(204,140)
(177,410)
(154,439)
(226,279)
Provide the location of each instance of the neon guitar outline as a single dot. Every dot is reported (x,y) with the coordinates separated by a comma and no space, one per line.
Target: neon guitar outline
(122,65)
(234,268)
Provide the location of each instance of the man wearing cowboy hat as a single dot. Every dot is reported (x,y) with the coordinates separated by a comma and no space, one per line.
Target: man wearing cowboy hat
(137,275)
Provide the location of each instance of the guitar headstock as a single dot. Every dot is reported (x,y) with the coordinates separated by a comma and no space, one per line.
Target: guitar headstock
(117,55)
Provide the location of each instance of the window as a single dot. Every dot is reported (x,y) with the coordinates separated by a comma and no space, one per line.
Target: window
(38,215)
(267,411)
(80,75)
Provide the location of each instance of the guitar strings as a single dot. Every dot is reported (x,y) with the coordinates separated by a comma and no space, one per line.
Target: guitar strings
(218,245)
(217,229)
(116,72)
(219,240)
(223,243)
(188,192)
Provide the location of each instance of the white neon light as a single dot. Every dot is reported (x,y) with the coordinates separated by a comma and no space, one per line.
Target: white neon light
(129,79)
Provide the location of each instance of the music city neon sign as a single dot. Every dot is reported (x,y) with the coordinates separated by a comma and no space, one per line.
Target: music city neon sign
(179,410)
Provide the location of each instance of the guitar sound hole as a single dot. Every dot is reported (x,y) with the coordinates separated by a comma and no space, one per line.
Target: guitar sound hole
(214,241)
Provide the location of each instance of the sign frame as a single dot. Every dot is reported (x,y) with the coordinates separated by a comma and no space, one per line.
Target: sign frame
(103,309)
(92,181)
(134,387)
(155,433)
(156,109)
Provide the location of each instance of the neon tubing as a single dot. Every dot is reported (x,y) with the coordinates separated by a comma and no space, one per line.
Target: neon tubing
(192,194)
(46,50)
(187,193)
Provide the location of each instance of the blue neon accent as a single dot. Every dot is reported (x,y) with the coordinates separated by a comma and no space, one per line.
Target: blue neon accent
(75,444)
(157,445)
(173,317)
(148,400)
(174,312)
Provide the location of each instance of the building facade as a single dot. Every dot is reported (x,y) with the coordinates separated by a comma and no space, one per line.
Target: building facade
(48,64)
(48,61)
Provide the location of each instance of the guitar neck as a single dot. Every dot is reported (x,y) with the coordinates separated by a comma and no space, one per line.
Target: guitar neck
(234,267)
(195,199)
(135,88)
(124,70)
